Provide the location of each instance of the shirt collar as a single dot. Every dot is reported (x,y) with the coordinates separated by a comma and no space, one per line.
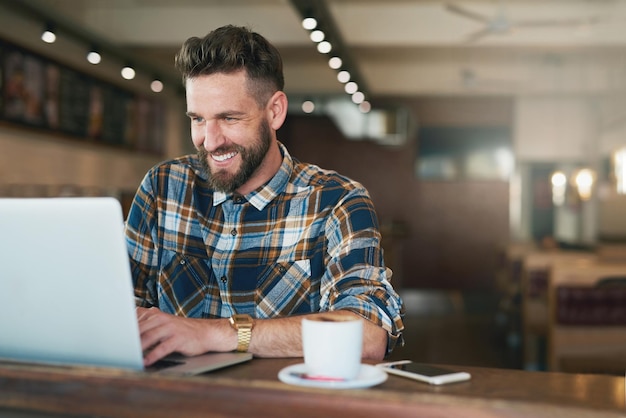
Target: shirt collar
(262,196)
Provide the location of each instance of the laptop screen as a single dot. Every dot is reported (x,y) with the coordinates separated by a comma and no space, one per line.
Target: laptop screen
(65,285)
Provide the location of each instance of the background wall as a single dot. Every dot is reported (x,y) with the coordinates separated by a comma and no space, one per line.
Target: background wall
(34,163)
(437,234)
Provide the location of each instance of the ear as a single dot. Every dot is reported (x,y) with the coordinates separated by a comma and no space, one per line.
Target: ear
(277,109)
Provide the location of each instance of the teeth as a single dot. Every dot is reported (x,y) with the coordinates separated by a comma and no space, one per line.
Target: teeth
(223,157)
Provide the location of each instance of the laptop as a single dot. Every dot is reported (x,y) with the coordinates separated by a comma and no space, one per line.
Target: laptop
(66,295)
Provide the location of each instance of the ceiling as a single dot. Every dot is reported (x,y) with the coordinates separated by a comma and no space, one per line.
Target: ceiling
(399,47)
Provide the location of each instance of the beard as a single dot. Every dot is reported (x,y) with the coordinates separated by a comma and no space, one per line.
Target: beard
(251,159)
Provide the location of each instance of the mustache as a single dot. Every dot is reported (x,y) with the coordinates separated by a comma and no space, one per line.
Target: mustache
(221,150)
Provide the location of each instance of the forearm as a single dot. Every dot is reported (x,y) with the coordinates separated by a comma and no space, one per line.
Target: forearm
(162,334)
(282,337)
(277,337)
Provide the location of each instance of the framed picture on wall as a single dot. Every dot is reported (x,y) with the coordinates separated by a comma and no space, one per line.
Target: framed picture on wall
(41,93)
(464,153)
(23,87)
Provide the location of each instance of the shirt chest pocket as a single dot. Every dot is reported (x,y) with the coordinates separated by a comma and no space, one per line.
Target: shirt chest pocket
(287,288)
(183,283)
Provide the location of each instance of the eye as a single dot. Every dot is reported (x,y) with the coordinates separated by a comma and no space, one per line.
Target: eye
(197,119)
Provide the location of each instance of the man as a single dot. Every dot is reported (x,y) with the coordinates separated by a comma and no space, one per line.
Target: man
(229,248)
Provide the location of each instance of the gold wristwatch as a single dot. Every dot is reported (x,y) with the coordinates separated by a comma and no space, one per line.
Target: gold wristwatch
(243,323)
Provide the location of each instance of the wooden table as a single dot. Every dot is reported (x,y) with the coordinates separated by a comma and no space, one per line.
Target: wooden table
(253,390)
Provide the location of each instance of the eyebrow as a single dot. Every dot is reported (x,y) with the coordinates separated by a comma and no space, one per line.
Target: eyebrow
(219,115)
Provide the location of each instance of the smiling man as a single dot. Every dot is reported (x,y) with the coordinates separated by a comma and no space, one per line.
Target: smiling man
(232,246)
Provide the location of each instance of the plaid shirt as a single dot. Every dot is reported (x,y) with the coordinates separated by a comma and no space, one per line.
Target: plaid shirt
(305,242)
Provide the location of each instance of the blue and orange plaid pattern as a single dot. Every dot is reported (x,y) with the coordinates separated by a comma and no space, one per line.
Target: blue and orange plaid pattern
(305,242)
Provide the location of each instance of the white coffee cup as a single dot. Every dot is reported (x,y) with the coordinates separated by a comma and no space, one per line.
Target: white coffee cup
(332,346)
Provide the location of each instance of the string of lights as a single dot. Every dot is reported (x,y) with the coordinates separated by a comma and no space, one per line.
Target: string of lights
(96,49)
(317,20)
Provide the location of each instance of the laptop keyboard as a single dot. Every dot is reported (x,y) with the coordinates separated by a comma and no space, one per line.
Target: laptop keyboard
(164,364)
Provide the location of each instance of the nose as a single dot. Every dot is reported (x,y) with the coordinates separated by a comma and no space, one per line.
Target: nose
(212,136)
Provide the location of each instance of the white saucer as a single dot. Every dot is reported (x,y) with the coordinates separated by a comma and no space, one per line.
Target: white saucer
(368,376)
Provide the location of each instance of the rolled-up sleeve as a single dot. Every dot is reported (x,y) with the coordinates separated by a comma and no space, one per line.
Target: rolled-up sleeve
(356,278)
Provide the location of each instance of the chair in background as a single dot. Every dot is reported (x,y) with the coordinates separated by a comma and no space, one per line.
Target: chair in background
(587,327)
(534,287)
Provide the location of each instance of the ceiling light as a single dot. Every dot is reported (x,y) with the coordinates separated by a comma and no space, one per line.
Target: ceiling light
(365,106)
(358,97)
(558,179)
(156,86)
(324,47)
(309,23)
(48,34)
(584,180)
(317,36)
(93,56)
(559,184)
(343,76)
(128,72)
(308,106)
(335,63)
(351,87)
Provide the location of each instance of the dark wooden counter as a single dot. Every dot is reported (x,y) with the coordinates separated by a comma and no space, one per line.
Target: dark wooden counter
(253,390)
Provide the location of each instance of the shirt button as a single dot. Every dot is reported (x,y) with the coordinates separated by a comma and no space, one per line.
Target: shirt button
(233,232)
(282,269)
(182,262)
(224,279)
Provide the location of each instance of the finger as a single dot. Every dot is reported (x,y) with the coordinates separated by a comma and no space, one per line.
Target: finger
(152,332)
(144,313)
(151,319)
(159,351)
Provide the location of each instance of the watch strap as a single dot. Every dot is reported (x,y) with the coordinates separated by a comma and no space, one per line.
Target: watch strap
(243,324)
(244,335)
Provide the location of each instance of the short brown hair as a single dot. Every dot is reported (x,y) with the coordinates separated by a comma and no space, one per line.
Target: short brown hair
(230,49)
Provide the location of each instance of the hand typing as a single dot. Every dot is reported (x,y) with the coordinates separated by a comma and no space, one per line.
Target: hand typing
(163,334)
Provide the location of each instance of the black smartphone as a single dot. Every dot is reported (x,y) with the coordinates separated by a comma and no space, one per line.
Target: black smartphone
(425,372)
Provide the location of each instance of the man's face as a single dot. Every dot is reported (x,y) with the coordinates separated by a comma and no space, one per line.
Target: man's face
(228,129)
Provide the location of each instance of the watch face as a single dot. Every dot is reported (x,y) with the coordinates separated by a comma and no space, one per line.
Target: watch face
(241,319)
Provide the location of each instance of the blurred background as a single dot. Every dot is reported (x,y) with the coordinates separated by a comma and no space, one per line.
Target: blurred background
(485,130)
